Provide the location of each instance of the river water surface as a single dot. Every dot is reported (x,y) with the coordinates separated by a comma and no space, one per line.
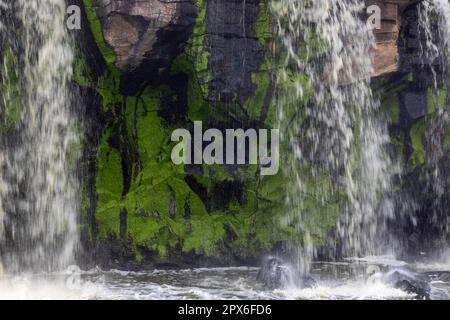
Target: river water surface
(342,281)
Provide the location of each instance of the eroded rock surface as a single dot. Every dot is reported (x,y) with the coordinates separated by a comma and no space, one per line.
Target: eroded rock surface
(145,35)
(235,51)
(386,54)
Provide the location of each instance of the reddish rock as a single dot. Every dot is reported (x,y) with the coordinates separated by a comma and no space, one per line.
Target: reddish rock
(386,57)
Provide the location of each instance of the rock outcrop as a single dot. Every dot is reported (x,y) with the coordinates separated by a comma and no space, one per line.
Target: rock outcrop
(145,35)
(410,282)
(235,50)
(192,63)
(174,62)
(386,54)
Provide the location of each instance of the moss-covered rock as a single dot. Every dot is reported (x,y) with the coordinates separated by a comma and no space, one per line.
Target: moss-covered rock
(10,107)
(160,211)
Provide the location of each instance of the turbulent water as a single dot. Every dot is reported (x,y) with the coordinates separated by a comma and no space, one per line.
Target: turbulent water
(344,281)
(331,119)
(38,190)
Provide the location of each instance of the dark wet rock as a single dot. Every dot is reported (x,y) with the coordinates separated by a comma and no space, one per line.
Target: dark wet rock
(410,282)
(386,52)
(410,44)
(235,51)
(274,274)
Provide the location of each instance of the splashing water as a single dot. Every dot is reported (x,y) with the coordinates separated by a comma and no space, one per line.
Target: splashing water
(38,191)
(331,119)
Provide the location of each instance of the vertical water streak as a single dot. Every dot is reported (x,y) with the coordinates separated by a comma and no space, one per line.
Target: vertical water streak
(331,121)
(41,201)
(8,77)
(434,30)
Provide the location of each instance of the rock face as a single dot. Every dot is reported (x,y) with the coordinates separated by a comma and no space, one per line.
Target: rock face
(235,51)
(167,64)
(145,35)
(422,125)
(182,61)
(386,56)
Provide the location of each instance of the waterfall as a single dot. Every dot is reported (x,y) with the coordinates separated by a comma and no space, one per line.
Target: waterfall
(437,43)
(331,120)
(434,31)
(38,187)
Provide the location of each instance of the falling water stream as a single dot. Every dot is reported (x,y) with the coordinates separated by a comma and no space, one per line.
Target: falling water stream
(39,203)
(338,134)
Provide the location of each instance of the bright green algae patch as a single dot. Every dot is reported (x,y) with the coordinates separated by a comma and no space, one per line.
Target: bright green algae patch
(90,7)
(150,225)
(163,212)
(417,134)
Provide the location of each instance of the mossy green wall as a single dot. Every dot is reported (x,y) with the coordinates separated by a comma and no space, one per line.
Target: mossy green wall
(135,174)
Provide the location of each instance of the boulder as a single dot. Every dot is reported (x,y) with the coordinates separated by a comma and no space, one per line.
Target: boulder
(235,52)
(274,274)
(410,282)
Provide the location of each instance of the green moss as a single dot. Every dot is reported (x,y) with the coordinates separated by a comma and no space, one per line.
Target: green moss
(262,25)
(398,142)
(81,73)
(108,53)
(109,186)
(436,99)
(251,224)
(255,103)
(108,84)
(196,48)
(313,47)
(410,76)
(198,107)
(10,87)
(417,133)
(391,107)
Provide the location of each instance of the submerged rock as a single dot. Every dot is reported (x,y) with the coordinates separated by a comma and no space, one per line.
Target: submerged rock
(409,282)
(274,274)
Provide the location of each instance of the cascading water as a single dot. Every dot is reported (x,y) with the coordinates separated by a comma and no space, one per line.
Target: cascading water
(38,191)
(434,30)
(331,118)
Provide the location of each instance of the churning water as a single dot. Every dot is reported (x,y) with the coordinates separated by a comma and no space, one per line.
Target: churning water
(336,281)
(331,118)
(39,202)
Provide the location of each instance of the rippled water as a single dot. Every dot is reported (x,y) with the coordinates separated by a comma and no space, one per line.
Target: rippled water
(342,280)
